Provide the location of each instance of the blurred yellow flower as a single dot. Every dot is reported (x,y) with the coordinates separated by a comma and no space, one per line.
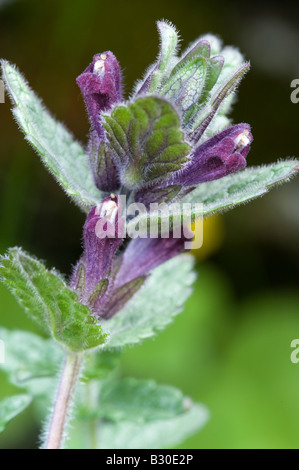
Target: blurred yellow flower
(213,234)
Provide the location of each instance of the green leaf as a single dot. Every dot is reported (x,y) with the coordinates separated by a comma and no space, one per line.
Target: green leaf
(240,187)
(191,80)
(147,140)
(219,195)
(48,300)
(154,306)
(59,152)
(198,49)
(139,401)
(100,364)
(185,85)
(223,65)
(233,60)
(31,362)
(156,434)
(142,414)
(11,407)
(156,72)
(205,116)
(215,65)
(169,42)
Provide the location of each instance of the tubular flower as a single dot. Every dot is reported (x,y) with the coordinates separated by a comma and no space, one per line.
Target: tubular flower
(105,277)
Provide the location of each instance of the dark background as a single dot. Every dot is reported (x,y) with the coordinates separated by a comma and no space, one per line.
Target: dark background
(230,348)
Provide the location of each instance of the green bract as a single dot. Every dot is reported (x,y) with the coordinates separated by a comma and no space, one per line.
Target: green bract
(147,140)
(169,43)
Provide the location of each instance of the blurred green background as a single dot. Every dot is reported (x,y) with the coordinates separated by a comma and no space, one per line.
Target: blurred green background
(230,348)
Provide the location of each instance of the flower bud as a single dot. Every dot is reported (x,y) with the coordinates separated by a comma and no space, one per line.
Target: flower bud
(103,235)
(100,84)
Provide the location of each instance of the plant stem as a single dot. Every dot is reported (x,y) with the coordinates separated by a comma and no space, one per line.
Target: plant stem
(63,400)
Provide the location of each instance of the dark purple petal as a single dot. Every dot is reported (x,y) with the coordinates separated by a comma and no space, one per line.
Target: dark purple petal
(103,235)
(101,86)
(99,252)
(120,296)
(144,254)
(219,156)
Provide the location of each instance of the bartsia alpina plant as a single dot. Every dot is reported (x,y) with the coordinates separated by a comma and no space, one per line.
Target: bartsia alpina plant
(170,144)
(147,149)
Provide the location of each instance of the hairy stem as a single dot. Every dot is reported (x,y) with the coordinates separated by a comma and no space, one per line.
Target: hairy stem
(63,400)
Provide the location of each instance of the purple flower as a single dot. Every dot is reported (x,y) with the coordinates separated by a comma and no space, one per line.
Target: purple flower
(111,270)
(101,87)
(222,154)
(219,156)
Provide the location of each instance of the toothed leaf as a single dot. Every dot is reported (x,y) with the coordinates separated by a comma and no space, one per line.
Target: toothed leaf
(11,407)
(155,434)
(186,84)
(59,152)
(31,362)
(48,300)
(161,298)
(139,400)
(168,46)
(240,187)
(219,195)
(146,139)
(199,49)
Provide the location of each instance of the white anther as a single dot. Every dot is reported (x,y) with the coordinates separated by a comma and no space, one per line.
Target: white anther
(109,210)
(99,67)
(242,140)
